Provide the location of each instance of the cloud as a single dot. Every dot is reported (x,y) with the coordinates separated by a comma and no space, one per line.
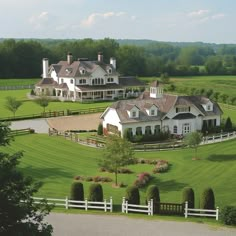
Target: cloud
(38,21)
(199,13)
(95,17)
(218,16)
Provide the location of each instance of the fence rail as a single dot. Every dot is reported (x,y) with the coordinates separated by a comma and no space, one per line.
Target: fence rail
(126,208)
(67,203)
(219,138)
(170,208)
(21,132)
(200,212)
(16,87)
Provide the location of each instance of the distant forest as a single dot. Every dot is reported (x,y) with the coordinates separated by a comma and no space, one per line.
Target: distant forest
(21,58)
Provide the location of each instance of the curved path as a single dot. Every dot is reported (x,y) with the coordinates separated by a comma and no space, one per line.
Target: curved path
(106,225)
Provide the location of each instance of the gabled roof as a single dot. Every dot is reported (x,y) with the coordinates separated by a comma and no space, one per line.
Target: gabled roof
(46,82)
(63,69)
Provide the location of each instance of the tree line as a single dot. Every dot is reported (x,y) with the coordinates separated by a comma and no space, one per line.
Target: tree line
(22,58)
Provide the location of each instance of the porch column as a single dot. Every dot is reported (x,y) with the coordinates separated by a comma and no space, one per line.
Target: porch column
(103,95)
(93,95)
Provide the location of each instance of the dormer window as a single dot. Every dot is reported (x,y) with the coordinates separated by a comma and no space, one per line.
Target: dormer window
(109,70)
(152,112)
(151,109)
(208,106)
(82,71)
(68,70)
(133,111)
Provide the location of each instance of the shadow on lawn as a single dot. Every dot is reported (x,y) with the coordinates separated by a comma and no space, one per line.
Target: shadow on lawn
(46,172)
(221,158)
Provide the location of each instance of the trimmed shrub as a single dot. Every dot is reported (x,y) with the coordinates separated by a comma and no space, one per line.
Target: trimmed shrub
(228,215)
(95,193)
(228,125)
(77,191)
(125,171)
(153,193)
(161,166)
(188,196)
(207,199)
(100,129)
(132,195)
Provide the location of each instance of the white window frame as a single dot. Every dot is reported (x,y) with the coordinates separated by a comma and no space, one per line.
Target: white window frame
(186,128)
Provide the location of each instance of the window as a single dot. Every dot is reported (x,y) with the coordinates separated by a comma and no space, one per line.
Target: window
(139,131)
(182,109)
(175,129)
(62,80)
(209,107)
(134,114)
(148,130)
(157,129)
(109,71)
(71,81)
(186,128)
(110,80)
(152,112)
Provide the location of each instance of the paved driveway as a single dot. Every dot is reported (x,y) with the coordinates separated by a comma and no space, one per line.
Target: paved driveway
(104,225)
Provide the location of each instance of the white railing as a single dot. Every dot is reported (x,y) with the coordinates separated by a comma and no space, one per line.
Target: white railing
(67,203)
(137,208)
(200,212)
(219,138)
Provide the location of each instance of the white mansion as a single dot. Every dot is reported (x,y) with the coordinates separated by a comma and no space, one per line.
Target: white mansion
(82,80)
(154,111)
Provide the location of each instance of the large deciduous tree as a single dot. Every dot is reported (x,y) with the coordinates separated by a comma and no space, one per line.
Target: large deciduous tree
(19,216)
(118,152)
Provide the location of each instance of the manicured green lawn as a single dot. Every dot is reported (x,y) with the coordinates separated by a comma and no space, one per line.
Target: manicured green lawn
(29,107)
(55,161)
(14,82)
(222,84)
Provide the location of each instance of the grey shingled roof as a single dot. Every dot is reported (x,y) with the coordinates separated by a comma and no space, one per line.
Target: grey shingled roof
(47,82)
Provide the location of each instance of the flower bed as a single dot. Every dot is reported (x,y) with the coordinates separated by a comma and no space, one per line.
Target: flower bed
(93,178)
(142,180)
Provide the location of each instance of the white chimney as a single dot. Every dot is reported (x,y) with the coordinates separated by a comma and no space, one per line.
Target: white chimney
(45,67)
(113,62)
(69,58)
(100,57)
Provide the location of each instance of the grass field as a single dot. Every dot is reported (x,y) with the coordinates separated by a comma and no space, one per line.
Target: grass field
(30,107)
(55,161)
(222,84)
(14,82)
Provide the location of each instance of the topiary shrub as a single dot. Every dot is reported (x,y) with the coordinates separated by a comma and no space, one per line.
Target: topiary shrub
(100,129)
(77,191)
(95,193)
(132,195)
(32,92)
(228,215)
(153,193)
(207,200)
(188,196)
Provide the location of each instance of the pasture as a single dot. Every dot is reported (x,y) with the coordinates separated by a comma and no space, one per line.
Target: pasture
(18,81)
(55,161)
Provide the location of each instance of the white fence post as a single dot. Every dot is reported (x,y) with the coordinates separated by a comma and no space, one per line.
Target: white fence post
(186,210)
(151,207)
(86,204)
(126,207)
(217,213)
(105,205)
(111,202)
(123,205)
(66,203)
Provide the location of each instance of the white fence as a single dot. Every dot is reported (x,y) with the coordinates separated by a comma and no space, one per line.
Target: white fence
(219,138)
(200,212)
(137,208)
(67,203)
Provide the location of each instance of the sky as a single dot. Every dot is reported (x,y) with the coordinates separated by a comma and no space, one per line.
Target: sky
(211,21)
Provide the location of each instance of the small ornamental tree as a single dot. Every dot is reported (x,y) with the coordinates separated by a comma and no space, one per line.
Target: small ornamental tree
(118,152)
(193,140)
(228,125)
(100,129)
(188,196)
(207,200)
(132,195)
(153,193)
(77,191)
(42,101)
(12,104)
(165,78)
(95,193)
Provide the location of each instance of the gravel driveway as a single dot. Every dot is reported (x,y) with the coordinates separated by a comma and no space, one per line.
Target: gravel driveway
(104,225)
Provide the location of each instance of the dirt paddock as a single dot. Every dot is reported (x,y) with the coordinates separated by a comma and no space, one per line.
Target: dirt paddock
(80,122)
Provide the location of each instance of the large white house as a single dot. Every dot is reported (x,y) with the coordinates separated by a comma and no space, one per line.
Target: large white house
(82,79)
(154,111)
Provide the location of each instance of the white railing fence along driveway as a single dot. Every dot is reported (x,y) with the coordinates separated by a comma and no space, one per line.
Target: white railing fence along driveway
(137,208)
(200,212)
(67,203)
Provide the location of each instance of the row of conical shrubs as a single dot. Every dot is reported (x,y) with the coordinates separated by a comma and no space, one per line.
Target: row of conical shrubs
(95,192)
(207,200)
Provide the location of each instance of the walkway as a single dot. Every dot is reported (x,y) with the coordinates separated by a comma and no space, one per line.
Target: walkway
(104,225)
